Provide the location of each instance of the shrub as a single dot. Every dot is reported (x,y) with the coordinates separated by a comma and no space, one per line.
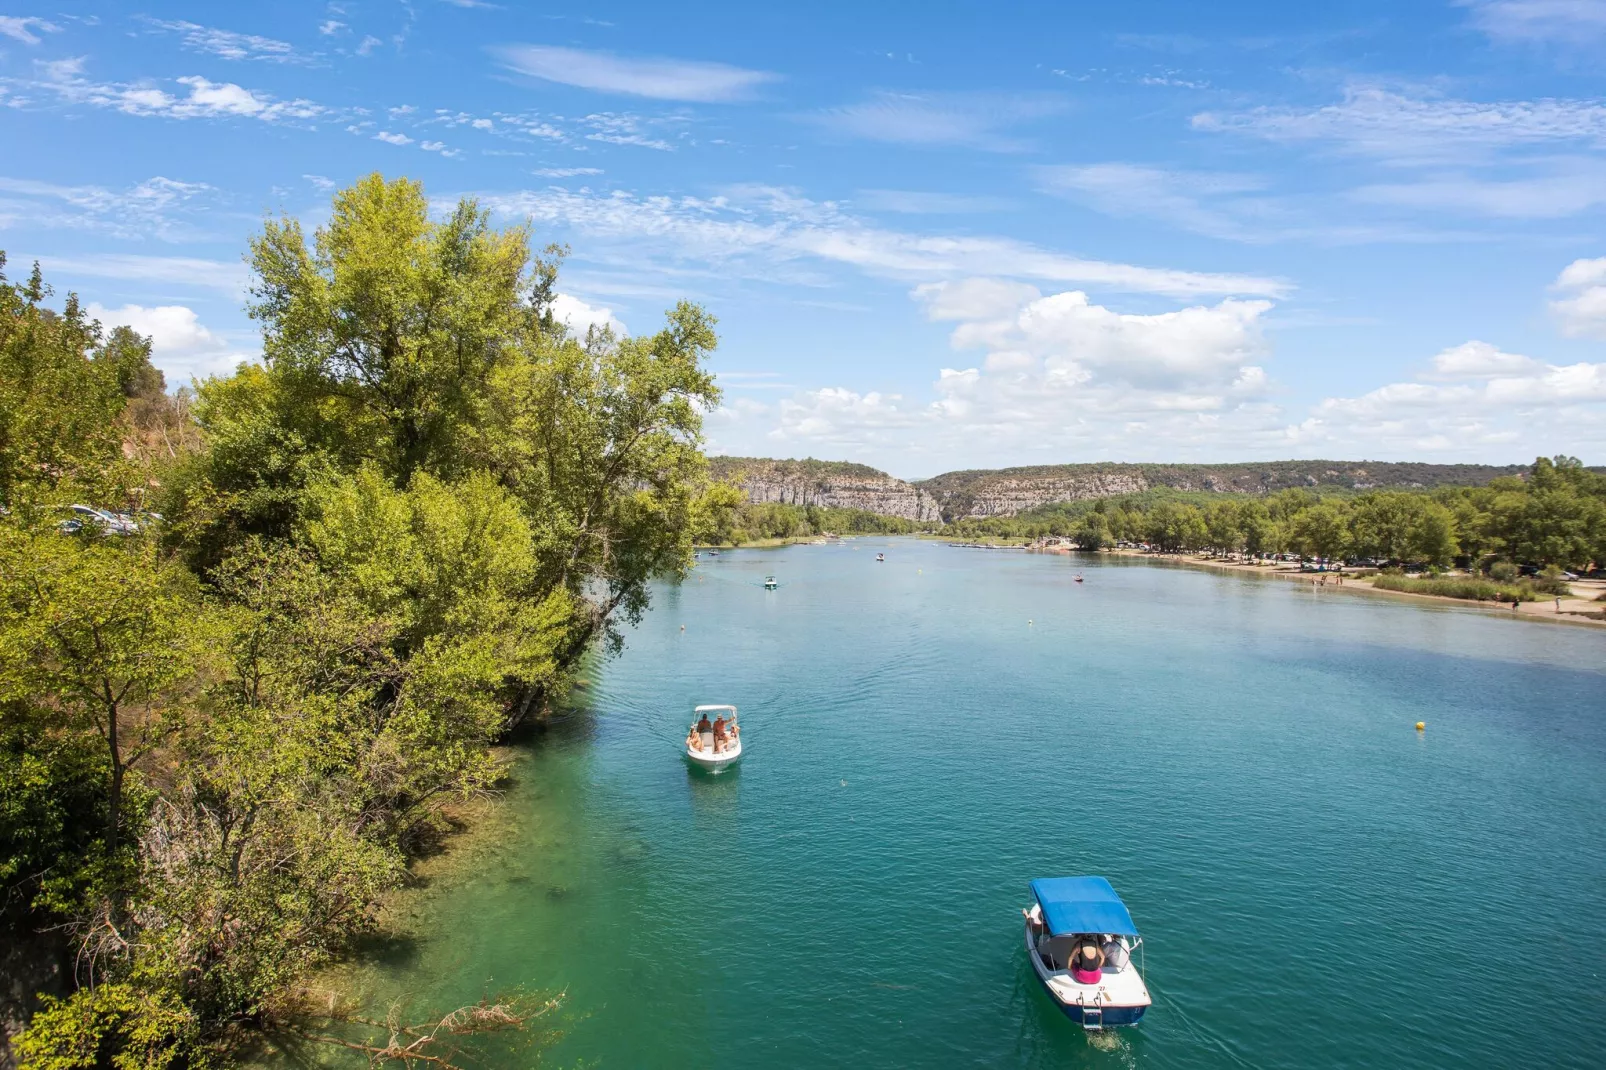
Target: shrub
(1473,589)
(1503,571)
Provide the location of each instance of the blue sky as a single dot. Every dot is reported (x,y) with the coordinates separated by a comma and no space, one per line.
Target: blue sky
(936,236)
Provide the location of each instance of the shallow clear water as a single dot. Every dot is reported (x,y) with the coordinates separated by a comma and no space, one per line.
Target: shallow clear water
(1317,883)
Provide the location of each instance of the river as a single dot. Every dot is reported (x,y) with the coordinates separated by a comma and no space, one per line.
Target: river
(1318,883)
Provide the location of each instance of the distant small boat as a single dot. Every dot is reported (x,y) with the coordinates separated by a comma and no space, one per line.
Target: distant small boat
(770,583)
(1073,911)
(714,750)
(880,557)
(1078,577)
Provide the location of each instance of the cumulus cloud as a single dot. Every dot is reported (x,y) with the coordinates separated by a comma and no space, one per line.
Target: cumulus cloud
(1581,310)
(581,317)
(390,138)
(1480,360)
(1473,398)
(659,78)
(180,345)
(1059,373)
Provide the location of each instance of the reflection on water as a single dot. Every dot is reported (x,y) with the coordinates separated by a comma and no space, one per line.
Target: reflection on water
(1238,755)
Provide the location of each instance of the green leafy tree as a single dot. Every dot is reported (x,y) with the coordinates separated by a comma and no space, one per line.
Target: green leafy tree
(1321,531)
(61,397)
(105,636)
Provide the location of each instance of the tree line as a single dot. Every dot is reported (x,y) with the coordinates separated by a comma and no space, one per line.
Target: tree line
(229,718)
(1555,516)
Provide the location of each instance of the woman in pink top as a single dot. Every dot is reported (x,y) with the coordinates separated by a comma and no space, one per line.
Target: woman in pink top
(1087,962)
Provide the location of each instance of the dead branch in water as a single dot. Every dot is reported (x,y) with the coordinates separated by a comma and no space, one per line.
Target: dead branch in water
(430,1044)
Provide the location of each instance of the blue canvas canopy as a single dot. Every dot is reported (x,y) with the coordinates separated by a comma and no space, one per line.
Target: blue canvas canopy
(1082,905)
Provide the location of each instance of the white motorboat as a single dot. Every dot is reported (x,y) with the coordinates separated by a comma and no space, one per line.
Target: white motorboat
(770,583)
(714,745)
(1069,913)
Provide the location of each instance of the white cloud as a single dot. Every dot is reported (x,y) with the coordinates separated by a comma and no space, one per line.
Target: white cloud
(227,44)
(331,27)
(975,120)
(661,79)
(1477,398)
(231,278)
(565,172)
(1567,187)
(180,345)
(1480,360)
(205,99)
(763,230)
(1379,121)
(1075,341)
(1059,374)
(916,202)
(1565,22)
(320,183)
(580,316)
(1125,189)
(21,28)
(1582,310)
(156,207)
(390,138)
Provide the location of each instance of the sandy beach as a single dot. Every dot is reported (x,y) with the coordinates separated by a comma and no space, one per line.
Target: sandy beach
(1572,610)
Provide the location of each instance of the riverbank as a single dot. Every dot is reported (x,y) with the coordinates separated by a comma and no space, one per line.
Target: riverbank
(1572,610)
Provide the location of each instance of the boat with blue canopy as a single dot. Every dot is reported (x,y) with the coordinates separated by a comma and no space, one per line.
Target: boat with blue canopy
(1080,938)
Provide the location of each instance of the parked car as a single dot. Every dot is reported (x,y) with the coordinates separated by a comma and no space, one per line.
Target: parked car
(81,517)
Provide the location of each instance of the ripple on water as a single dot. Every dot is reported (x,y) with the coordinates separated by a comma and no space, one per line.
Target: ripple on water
(1236,754)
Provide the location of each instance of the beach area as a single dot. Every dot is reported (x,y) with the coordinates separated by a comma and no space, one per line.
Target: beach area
(1582,608)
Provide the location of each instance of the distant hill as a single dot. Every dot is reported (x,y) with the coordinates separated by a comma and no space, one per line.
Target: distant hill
(1007,491)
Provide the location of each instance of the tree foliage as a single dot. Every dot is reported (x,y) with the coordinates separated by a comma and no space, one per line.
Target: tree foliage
(223,737)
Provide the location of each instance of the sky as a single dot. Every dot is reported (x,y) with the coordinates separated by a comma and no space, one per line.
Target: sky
(935,236)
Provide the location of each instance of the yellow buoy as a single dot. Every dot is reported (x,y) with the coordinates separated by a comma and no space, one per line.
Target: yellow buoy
(1421,725)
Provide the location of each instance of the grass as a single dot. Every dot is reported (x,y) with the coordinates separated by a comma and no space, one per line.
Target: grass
(1475,590)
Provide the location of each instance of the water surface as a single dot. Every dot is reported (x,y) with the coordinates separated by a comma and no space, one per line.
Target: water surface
(1317,883)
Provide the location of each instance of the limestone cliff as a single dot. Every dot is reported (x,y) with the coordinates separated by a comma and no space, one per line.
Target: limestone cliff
(831,484)
(1005,492)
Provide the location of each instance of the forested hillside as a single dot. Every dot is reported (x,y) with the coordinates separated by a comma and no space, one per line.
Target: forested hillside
(1004,492)
(236,701)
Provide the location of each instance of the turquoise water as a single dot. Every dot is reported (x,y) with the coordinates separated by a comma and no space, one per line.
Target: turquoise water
(1318,884)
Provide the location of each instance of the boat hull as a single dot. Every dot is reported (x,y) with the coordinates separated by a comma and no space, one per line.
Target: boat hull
(713,763)
(1089,1007)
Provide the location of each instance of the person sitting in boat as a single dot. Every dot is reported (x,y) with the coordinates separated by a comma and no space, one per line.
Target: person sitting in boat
(1088,961)
(703,725)
(721,741)
(694,739)
(1115,954)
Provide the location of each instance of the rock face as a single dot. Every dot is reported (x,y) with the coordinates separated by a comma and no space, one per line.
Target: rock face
(830,484)
(1008,491)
